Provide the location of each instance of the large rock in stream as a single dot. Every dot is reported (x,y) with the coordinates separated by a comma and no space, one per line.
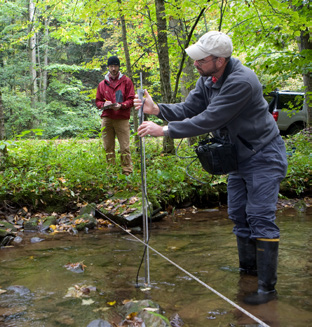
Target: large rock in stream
(128,212)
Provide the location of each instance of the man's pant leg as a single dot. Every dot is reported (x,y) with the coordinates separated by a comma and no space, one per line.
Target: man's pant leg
(262,174)
(122,128)
(108,136)
(237,200)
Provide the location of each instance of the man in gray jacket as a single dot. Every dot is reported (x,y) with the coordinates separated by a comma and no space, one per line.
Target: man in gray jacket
(228,102)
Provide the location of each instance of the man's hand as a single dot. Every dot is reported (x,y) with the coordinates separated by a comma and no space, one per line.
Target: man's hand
(150,128)
(110,105)
(149,107)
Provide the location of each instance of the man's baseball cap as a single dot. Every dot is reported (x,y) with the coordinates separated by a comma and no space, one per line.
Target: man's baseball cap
(113,60)
(212,43)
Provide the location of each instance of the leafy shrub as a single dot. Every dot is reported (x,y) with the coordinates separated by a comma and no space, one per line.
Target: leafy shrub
(299,150)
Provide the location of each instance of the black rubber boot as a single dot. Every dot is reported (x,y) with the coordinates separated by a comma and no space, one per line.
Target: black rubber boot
(267,257)
(247,256)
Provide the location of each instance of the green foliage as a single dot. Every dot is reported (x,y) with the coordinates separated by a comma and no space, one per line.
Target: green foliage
(299,150)
(40,172)
(45,172)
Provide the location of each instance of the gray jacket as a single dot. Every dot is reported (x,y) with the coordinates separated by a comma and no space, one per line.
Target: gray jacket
(234,106)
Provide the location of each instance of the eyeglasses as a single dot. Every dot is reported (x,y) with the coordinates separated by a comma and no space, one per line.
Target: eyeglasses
(204,61)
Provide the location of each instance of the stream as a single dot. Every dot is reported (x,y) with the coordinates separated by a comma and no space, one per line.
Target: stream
(38,289)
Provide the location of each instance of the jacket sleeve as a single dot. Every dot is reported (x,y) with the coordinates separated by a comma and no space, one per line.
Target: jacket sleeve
(99,100)
(196,116)
(129,95)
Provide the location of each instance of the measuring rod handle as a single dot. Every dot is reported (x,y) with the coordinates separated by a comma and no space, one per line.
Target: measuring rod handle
(140,95)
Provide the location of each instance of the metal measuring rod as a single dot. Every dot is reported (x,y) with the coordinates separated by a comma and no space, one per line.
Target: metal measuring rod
(144,190)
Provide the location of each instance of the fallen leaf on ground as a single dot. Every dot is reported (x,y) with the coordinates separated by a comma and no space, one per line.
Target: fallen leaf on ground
(111,303)
(87,302)
(77,267)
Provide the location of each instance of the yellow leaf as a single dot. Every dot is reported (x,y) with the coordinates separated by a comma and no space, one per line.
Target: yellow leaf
(111,303)
(132,315)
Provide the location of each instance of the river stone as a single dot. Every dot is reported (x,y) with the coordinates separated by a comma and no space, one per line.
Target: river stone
(31,225)
(88,209)
(7,226)
(135,219)
(18,240)
(99,323)
(137,306)
(88,222)
(152,320)
(50,220)
(5,241)
(19,289)
(36,239)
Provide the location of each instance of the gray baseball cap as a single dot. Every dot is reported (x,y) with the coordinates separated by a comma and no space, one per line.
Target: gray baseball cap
(211,44)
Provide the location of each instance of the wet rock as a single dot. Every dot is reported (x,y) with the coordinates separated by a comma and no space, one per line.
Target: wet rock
(136,306)
(147,311)
(31,225)
(99,323)
(75,267)
(45,225)
(136,219)
(18,240)
(6,233)
(86,221)
(5,241)
(152,320)
(36,240)
(8,226)
(19,290)
(88,209)
(176,321)
(8,312)
(300,206)
(14,302)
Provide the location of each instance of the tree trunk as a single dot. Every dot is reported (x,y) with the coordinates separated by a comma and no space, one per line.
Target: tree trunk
(188,73)
(3,149)
(45,61)
(164,65)
(2,127)
(129,69)
(32,54)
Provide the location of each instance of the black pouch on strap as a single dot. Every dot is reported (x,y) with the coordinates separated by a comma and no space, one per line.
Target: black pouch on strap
(216,156)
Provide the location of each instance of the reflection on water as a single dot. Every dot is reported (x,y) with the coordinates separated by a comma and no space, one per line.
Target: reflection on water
(201,243)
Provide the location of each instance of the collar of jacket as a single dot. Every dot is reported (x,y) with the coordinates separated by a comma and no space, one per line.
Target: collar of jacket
(221,80)
(107,76)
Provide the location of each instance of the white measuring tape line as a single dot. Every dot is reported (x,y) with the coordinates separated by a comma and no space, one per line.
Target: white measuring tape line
(194,277)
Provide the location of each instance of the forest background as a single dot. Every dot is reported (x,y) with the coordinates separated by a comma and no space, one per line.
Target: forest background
(51,54)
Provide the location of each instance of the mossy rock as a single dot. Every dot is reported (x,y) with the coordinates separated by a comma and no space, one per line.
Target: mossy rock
(7,226)
(86,221)
(31,224)
(48,221)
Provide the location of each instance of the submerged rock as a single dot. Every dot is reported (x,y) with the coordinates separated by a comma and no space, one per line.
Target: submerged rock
(36,240)
(19,290)
(99,323)
(31,225)
(148,312)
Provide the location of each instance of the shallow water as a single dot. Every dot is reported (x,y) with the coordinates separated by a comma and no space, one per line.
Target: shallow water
(201,243)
